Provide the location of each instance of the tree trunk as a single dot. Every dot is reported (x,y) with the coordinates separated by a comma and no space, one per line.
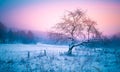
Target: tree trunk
(70,50)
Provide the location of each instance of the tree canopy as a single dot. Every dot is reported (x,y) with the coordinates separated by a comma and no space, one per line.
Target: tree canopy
(77,26)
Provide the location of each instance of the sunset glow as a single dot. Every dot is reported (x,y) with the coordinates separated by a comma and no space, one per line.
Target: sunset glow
(42,15)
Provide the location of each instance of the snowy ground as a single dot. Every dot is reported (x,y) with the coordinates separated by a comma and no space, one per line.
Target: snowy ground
(51,58)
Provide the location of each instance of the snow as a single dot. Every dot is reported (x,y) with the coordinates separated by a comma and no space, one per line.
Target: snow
(30,47)
(51,58)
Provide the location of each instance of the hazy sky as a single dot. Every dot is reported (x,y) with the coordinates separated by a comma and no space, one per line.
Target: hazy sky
(43,14)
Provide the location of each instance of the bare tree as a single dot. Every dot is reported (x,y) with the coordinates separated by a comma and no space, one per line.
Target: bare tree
(74,25)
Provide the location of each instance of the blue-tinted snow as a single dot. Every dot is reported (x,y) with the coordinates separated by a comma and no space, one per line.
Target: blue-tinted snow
(14,58)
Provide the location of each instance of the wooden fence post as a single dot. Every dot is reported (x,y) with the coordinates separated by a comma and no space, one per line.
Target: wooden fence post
(28,55)
(45,52)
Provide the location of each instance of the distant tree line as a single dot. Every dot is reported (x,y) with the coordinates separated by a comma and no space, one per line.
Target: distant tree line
(8,35)
(112,41)
(11,36)
(20,36)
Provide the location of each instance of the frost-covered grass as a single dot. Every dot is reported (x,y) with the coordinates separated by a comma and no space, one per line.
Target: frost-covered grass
(52,58)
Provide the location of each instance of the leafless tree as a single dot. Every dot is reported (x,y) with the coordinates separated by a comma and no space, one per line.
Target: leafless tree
(75,25)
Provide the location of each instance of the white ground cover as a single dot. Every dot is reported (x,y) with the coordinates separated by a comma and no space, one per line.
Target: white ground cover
(51,58)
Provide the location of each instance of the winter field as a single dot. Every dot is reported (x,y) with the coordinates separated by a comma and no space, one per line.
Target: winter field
(52,58)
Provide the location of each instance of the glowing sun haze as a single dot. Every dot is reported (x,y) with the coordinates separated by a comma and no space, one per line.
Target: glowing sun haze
(41,15)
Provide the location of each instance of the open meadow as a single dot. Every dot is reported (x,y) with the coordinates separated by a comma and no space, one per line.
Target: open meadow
(52,58)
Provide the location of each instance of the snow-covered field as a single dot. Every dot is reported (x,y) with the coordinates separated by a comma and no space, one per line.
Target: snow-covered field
(51,58)
(16,50)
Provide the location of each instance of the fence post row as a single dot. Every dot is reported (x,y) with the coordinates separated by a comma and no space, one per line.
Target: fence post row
(28,53)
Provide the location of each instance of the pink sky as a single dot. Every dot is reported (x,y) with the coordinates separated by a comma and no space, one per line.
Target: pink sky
(42,16)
